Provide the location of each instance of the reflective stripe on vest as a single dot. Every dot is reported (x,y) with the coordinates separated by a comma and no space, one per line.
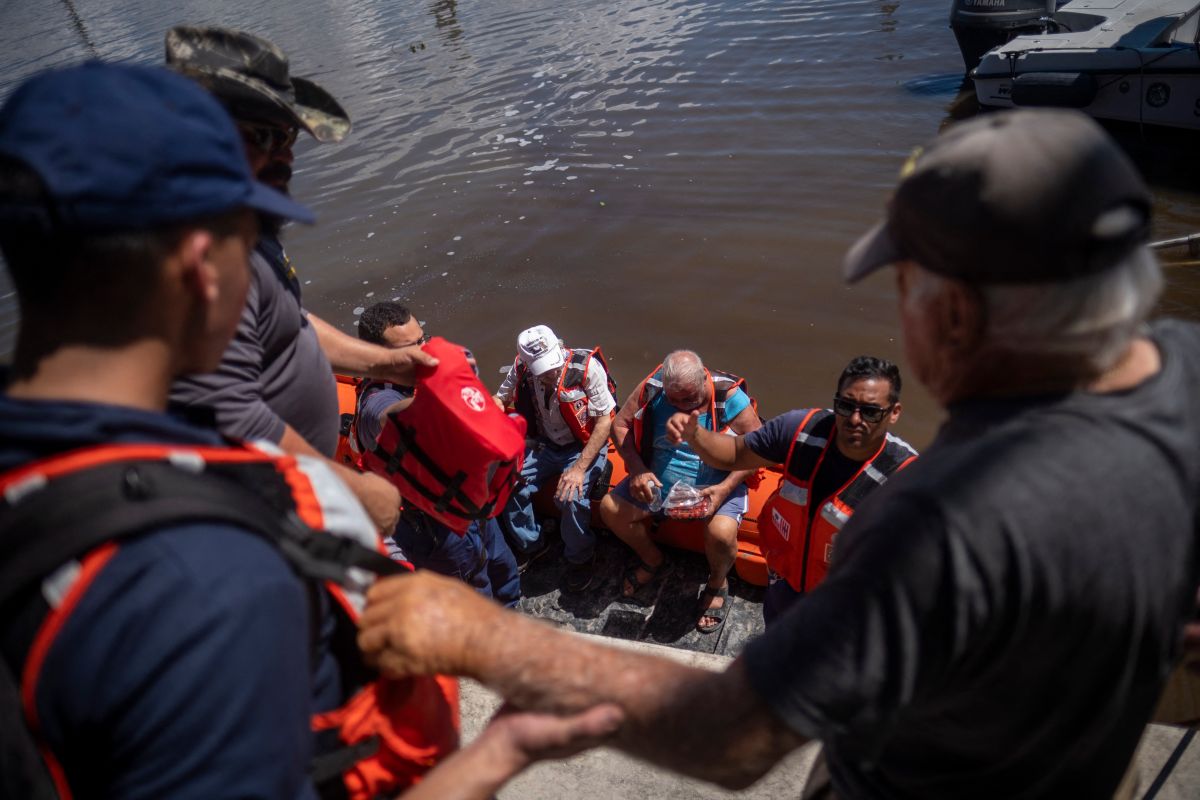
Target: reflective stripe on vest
(408,724)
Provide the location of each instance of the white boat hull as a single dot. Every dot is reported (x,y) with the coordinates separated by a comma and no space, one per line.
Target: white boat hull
(1131,61)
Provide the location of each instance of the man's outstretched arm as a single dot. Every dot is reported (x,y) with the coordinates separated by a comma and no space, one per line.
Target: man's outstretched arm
(707,725)
(718,450)
(511,742)
(351,356)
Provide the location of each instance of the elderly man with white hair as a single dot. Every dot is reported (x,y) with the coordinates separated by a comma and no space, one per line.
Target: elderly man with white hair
(1000,618)
(680,384)
(566,397)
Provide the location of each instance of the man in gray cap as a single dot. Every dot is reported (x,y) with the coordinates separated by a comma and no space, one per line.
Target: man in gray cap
(276,379)
(1000,617)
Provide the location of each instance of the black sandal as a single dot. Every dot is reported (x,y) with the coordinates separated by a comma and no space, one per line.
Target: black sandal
(631,578)
(718,614)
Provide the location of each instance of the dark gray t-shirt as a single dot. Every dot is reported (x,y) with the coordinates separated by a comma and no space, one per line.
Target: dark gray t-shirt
(1002,614)
(274,370)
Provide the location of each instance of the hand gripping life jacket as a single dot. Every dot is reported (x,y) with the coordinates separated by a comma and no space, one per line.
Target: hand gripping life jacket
(452,452)
(571,393)
(797,540)
(62,519)
(720,386)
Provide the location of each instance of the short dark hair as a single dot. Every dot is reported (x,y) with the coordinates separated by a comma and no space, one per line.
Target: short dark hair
(379,317)
(81,275)
(870,367)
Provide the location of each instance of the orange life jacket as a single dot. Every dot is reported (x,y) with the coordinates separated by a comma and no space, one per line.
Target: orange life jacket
(797,541)
(385,736)
(571,392)
(720,386)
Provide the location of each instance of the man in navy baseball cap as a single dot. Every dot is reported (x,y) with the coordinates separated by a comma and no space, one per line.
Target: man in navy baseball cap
(124,193)
(127,214)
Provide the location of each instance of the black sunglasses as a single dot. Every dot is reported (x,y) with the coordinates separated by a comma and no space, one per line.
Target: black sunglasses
(846,408)
(269,138)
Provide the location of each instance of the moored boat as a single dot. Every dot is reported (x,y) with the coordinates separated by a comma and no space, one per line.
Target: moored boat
(980,25)
(1132,61)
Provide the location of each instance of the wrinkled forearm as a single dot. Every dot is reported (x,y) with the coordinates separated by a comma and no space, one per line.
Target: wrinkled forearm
(700,723)
(622,439)
(596,442)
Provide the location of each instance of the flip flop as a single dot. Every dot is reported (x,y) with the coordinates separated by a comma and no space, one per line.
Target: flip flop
(718,614)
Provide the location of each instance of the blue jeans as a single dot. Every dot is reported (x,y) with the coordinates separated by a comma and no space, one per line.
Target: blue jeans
(480,557)
(544,461)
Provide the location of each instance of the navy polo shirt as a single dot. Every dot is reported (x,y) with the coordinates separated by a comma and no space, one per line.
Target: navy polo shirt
(184,670)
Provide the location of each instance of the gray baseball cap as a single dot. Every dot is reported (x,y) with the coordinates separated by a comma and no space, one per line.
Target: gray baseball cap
(1030,196)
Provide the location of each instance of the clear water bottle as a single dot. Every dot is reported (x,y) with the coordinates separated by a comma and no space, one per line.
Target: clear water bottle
(656,497)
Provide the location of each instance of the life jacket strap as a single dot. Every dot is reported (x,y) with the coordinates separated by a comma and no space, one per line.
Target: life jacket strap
(451,500)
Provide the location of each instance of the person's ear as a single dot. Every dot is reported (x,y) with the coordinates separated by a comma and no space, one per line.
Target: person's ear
(894,414)
(960,317)
(199,273)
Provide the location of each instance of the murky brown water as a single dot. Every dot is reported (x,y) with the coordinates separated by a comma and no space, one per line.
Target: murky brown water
(642,175)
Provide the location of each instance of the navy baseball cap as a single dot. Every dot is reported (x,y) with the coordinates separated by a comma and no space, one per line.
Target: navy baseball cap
(123,147)
(1026,196)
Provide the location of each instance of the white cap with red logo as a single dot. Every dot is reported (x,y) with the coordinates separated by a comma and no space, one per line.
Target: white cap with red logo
(539,349)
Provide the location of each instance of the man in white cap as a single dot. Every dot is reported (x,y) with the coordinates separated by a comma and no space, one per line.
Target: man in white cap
(566,397)
(1001,616)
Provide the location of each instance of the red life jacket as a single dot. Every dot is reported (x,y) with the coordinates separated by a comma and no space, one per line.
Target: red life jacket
(720,386)
(571,393)
(76,507)
(452,452)
(797,541)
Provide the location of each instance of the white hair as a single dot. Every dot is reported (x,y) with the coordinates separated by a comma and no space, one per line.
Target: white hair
(1094,317)
(683,369)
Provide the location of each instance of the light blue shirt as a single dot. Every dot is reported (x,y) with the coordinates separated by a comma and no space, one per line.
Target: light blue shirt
(671,463)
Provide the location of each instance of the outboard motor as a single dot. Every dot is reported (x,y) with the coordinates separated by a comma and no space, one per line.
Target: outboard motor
(980,25)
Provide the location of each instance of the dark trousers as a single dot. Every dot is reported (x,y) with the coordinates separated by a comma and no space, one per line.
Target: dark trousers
(779,597)
(480,558)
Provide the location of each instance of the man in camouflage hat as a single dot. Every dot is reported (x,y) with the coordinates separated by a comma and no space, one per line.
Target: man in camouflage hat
(276,379)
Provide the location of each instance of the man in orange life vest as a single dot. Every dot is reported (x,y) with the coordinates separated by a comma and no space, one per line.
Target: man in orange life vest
(566,397)
(720,402)
(127,216)
(832,459)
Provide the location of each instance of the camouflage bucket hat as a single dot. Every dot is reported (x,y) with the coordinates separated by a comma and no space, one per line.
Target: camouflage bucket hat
(250,76)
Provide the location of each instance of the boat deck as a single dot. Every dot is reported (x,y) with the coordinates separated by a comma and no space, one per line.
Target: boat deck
(665,612)
(1131,24)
